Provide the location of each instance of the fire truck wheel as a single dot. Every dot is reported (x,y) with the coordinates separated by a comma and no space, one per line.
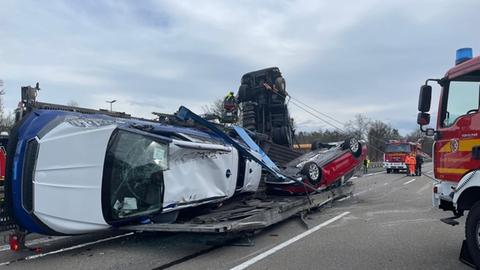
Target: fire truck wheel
(389,170)
(472,232)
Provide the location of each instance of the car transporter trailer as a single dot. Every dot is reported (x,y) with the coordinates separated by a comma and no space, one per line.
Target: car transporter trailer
(237,217)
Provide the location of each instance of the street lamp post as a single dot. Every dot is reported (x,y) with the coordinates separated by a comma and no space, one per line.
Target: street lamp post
(111,102)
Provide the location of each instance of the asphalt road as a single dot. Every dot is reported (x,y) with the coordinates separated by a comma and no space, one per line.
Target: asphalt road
(389,223)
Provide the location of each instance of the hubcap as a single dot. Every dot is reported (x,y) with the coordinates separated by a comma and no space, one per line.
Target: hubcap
(354,145)
(313,172)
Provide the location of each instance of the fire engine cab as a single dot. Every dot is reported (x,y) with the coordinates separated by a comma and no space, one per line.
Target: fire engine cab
(456,151)
(395,153)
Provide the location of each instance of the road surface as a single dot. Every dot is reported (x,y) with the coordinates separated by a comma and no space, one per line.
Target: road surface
(388,223)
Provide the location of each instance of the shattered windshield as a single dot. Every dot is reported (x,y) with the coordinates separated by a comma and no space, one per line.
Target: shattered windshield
(133,174)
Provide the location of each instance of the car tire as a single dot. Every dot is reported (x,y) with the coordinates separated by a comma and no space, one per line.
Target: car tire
(306,171)
(354,146)
(472,233)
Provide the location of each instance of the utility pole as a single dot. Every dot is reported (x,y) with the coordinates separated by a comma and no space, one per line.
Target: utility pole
(111,102)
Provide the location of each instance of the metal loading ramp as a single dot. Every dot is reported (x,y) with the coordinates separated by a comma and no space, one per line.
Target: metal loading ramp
(250,214)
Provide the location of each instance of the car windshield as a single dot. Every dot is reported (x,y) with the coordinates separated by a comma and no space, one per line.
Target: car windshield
(462,98)
(133,174)
(395,148)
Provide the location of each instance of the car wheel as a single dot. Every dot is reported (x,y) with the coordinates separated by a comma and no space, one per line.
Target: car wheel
(354,146)
(313,172)
(472,233)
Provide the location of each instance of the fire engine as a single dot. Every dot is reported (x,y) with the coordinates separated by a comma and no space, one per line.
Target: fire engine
(456,150)
(395,153)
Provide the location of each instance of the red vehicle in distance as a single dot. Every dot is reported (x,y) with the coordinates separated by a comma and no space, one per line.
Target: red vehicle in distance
(395,153)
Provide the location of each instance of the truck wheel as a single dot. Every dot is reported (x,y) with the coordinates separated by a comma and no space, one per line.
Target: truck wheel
(242,93)
(472,233)
(389,170)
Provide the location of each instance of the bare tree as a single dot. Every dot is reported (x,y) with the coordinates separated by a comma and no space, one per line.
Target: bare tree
(6,119)
(214,108)
(359,126)
(426,142)
(378,134)
(72,103)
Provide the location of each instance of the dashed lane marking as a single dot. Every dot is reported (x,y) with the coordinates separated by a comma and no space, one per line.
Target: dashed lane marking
(408,182)
(287,243)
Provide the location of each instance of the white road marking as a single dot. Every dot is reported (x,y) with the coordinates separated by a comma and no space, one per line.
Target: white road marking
(408,182)
(386,184)
(71,248)
(287,243)
(425,187)
(354,177)
(345,198)
(370,174)
(361,192)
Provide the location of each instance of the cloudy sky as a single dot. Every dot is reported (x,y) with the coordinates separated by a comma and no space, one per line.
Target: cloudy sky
(341,57)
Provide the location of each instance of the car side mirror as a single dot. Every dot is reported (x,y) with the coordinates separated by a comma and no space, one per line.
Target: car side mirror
(430,132)
(423,118)
(425,98)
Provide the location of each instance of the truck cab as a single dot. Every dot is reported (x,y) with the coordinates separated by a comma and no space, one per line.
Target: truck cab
(456,150)
(395,153)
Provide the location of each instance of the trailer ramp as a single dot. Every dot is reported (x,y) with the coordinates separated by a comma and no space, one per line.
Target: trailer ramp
(250,214)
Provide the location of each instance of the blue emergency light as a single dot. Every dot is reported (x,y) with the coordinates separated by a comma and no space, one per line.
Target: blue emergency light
(463,55)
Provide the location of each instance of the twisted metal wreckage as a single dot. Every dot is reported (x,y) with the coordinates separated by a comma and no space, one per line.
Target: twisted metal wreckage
(74,170)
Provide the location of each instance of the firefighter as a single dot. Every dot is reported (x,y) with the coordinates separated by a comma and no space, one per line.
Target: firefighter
(410,162)
(418,166)
(229,113)
(230,96)
(229,102)
(366,164)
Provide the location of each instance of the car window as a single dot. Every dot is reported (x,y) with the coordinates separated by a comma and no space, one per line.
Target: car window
(390,148)
(133,173)
(463,97)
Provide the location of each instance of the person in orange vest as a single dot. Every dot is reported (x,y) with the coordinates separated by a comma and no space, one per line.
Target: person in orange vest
(410,161)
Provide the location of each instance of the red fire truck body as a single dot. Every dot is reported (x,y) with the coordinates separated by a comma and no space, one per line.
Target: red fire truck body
(395,153)
(456,151)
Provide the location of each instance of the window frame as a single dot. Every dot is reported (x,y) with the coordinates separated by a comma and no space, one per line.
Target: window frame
(106,177)
(446,96)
